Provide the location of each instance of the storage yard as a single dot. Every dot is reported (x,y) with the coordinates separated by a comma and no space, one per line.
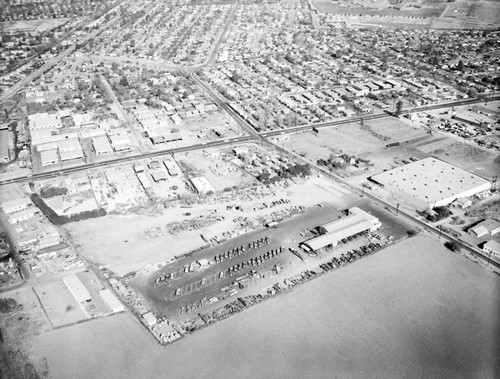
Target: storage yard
(210,279)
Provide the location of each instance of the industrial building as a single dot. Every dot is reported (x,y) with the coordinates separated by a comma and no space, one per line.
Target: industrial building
(356,222)
(22,215)
(486,227)
(77,288)
(15,205)
(111,301)
(432,182)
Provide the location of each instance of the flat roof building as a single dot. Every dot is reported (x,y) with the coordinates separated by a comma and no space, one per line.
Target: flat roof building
(356,222)
(22,215)
(202,185)
(489,226)
(493,248)
(101,145)
(111,301)
(49,157)
(77,288)
(159,175)
(149,318)
(15,205)
(171,167)
(120,142)
(432,182)
(4,145)
(68,155)
(39,121)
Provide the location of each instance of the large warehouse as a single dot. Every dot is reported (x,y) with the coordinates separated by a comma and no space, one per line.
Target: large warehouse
(356,222)
(432,182)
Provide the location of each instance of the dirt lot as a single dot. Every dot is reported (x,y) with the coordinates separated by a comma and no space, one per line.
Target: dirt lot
(220,173)
(416,297)
(479,161)
(122,242)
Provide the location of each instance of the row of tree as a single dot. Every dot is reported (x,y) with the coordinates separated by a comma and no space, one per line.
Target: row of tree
(56,219)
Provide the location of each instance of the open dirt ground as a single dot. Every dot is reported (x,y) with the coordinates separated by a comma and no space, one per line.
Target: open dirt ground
(413,310)
(121,241)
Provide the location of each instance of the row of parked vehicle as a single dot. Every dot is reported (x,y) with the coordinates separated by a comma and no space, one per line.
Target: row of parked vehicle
(257,261)
(241,249)
(351,256)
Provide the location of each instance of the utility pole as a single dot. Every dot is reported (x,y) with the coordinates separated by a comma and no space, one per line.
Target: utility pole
(397,209)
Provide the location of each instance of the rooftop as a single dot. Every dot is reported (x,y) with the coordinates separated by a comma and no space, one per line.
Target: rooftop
(432,181)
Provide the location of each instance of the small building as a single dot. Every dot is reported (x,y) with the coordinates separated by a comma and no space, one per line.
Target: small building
(163,135)
(49,157)
(463,202)
(101,145)
(149,318)
(492,248)
(171,168)
(202,185)
(15,205)
(111,301)
(159,175)
(24,243)
(144,180)
(120,142)
(176,119)
(489,226)
(77,288)
(69,155)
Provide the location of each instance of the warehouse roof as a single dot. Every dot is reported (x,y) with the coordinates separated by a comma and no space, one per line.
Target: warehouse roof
(356,216)
(432,181)
(356,222)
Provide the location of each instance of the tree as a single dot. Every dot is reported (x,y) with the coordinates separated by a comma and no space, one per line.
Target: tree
(123,81)
(399,108)
(453,246)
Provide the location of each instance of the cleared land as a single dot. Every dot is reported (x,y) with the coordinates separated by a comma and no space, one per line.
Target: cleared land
(412,310)
(119,242)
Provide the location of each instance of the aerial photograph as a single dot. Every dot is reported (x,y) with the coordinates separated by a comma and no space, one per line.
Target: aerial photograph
(249,189)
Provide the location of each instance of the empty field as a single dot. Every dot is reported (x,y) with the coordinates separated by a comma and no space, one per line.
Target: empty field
(413,310)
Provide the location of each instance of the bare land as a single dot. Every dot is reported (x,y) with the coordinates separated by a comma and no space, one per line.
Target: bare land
(407,311)
(117,240)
